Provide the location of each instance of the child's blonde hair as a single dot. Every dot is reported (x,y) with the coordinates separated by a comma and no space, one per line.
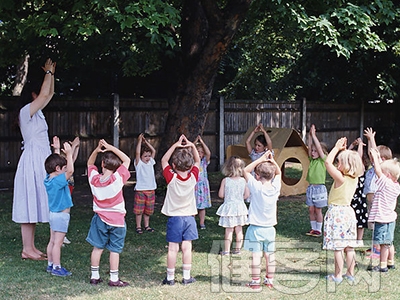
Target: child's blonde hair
(266,170)
(351,163)
(233,167)
(384,152)
(391,166)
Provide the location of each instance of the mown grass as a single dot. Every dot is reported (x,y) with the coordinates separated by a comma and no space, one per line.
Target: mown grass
(301,264)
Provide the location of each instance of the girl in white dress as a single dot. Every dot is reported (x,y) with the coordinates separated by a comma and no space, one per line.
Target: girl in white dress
(233,212)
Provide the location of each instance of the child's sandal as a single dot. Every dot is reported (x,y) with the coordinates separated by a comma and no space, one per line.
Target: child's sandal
(139,230)
(149,229)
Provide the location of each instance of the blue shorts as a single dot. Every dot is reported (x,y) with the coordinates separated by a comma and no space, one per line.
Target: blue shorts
(384,233)
(317,195)
(259,238)
(181,229)
(102,235)
(59,221)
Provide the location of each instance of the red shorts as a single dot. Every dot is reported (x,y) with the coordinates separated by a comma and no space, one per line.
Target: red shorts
(144,202)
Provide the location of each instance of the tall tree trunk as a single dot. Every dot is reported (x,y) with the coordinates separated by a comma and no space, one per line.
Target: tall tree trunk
(207,32)
(22,73)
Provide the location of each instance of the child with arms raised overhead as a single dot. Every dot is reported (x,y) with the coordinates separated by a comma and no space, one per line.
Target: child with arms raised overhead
(340,227)
(108,227)
(316,195)
(202,189)
(262,143)
(145,195)
(265,187)
(383,215)
(180,205)
(233,212)
(59,170)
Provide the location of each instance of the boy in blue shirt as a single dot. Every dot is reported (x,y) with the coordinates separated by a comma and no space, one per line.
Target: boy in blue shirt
(59,170)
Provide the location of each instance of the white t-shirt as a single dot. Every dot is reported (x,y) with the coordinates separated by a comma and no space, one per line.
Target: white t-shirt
(145,179)
(262,210)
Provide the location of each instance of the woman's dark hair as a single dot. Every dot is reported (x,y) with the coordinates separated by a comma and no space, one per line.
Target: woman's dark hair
(31,86)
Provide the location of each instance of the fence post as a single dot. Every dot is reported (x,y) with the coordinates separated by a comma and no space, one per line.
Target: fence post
(221,131)
(116,120)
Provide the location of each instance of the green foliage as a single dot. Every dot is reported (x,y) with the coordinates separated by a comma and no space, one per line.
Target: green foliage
(284,50)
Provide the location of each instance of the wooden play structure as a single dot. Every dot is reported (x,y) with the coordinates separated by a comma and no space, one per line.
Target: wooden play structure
(289,150)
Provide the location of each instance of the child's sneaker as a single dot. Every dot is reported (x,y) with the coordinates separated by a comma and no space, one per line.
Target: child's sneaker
(202,227)
(49,269)
(118,283)
(188,281)
(316,233)
(254,285)
(391,267)
(60,271)
(66,241)
(168,282)
(310,232)
(268,283)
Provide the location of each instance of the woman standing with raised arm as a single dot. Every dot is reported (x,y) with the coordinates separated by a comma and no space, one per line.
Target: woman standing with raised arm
(30,204)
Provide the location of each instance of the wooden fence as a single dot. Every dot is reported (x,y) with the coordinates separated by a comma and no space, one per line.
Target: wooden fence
(227,122)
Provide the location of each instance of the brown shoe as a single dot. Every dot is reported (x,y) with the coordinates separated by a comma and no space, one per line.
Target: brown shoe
(118,283)
(95,281)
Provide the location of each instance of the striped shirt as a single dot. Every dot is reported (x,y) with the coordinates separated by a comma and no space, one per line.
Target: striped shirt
(108,198)
(385,201)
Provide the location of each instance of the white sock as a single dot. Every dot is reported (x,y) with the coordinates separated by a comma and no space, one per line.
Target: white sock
(186,270)
(313,225)
(114,275)
(56,266)
(170,274)
(50,263)
(319,226)
(95,272)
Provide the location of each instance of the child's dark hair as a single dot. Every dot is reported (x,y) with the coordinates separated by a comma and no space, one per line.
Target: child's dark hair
(182,159)
(144,149)
(261,138)
(111,161)
(54,160)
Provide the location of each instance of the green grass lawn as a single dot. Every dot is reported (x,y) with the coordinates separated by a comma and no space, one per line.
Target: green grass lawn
(301,263)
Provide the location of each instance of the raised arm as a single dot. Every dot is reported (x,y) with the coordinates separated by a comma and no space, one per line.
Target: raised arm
(250,167)
(360,146)
(332,170)
(70,162)
(56,144)
(92,158)
(138,148)
(195,153)
(267,138)
(126,161)
(249,146)
(376,159)
(153,151)
(316,142)
(370,135)
(207,152)
(75,148)
(167,155)
(47,88)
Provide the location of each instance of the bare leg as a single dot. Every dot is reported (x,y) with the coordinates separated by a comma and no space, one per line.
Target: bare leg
(239,237)
(54,247)
(318,215)
(350,261)
(270,264)
(339,261)
(28,241)
(146,220)
(138,221)
(95,257)
(228,239)
(202,216)
(114,260)
(173,249)
(256,265)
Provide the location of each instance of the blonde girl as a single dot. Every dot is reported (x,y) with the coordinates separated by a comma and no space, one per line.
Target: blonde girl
(340,227)
(233,212)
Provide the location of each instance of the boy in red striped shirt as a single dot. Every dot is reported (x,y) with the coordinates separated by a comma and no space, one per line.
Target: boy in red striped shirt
(108,228)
